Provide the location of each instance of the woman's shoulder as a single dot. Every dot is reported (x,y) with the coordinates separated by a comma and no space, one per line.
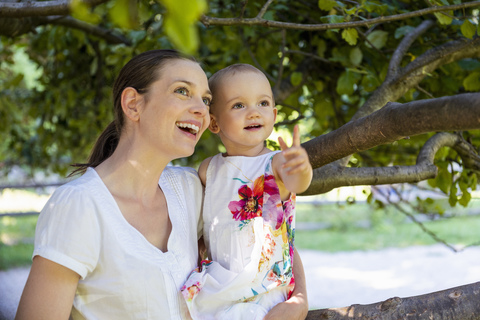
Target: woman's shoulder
(79,188)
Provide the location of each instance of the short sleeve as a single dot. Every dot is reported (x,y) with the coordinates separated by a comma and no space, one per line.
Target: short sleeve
(68,230)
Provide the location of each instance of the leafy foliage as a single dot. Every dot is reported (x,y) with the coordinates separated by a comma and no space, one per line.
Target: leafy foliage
(321,77)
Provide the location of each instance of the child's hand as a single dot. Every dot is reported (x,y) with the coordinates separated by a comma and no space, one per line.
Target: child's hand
(296,156)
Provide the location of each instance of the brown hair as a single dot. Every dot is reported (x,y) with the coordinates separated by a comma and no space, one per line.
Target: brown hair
(139,73)
(217,78)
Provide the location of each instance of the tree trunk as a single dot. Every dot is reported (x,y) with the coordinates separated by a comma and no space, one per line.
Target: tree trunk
(460,303)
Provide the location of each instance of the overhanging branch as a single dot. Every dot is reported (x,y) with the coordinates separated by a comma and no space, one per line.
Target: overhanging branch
(394,122)
(395,87)
(40,8)
(257,21)
(404,45)
(67,21)
(334,175)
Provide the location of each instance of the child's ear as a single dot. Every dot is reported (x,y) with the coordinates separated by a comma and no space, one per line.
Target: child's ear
(275,110)
(131,100)
(213,127)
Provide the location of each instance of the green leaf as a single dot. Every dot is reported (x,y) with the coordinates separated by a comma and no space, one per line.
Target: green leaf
(472,81)
(432,183)
(350,35)
(180,23)
(356,56)
(296,78)
(402,31)
(124,14)
(321,48)
(444,180)
(377,38)
(465,199)
(319,85)
(468,29)
(346,82)
(444,18)
(81,11)
(336,19)
(370,83)
(452,198)
(326,5)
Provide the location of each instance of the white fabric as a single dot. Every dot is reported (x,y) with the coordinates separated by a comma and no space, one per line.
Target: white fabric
(249,236)
(123,276)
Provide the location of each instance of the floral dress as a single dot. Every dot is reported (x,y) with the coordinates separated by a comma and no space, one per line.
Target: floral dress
(249,234)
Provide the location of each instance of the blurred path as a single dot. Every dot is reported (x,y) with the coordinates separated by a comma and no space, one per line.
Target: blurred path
(359,277)
(344,278)
(11,287)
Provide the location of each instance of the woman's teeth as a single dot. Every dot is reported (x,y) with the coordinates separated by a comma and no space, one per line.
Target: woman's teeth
(188,127)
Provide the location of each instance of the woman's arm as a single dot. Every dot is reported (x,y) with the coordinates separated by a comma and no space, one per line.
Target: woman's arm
(49,291)
(297,306)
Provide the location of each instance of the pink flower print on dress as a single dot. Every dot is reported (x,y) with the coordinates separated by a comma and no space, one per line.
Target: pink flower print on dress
(251,201)
(272,208)
(191,291)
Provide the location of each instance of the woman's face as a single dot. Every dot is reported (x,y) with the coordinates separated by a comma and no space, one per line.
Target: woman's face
(176,109)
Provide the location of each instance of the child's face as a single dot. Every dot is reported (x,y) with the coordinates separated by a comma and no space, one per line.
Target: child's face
(244,113)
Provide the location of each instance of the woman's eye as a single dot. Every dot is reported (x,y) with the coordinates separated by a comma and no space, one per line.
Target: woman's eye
(182,91)
(238,106)
(207,101)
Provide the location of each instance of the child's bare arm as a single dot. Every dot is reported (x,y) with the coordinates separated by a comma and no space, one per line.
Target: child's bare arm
(297,306)
(292,167)
(202,170)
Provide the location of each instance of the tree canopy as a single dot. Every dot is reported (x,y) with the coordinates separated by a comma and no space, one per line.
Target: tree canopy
(389,74)
(385,91)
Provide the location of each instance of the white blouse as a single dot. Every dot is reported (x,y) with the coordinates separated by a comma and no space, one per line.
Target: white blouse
(123,276)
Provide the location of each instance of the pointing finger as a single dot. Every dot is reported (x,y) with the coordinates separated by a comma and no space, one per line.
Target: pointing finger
(282,144)
(296,136)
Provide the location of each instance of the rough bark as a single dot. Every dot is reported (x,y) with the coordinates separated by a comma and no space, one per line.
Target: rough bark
(459,303)
(394,122)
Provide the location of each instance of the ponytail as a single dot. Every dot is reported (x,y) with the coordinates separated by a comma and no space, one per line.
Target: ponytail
(104,147)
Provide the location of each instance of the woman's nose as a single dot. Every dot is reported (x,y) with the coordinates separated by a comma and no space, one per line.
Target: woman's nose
(199,107)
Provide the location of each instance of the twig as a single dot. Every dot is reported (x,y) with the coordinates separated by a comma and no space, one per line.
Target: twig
(264,9)
(418,223)
(211,21)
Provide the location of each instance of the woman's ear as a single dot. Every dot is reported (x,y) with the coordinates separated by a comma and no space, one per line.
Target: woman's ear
(131,100)
(213,127)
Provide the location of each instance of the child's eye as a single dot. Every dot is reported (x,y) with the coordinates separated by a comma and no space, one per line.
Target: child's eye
(183,91)
(264,103)
(207,101)
(238,106)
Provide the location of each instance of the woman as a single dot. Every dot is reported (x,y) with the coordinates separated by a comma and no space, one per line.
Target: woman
(105,242)
(118,242)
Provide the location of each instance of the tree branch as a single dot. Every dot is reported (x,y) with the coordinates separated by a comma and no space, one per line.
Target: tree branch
(334,176)
(264,9)
(413,73)
(70,22)
(40,8)
(405,45)
(211,21)
(454,303)
(394,122)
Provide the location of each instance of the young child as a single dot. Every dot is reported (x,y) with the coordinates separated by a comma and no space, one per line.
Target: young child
(249,204)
